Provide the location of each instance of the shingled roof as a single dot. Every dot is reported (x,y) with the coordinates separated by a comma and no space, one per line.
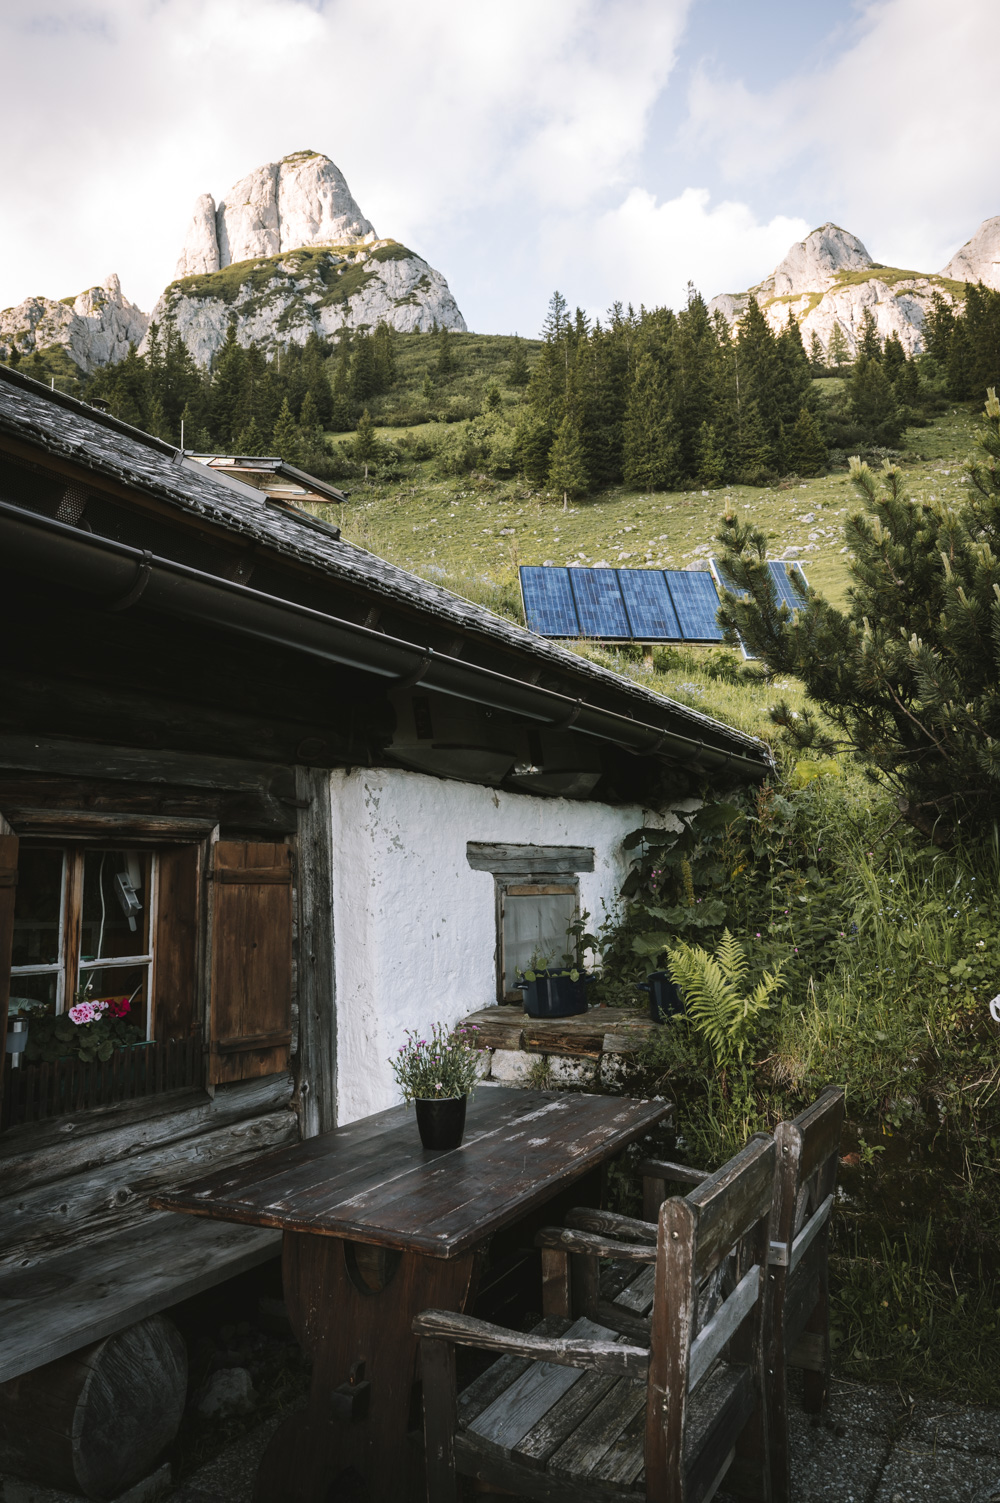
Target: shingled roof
(72,431)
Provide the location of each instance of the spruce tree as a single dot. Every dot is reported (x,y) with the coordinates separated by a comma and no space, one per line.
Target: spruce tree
(365,445)
(518,374)
(817,354)
(251,441)
(445,353)
(567,466)
(873,403)
(807,453)
(838,350)
(869,343)
(711,458)
(756,462)
(651,448)
(286,439)
(905,676)
(226,400)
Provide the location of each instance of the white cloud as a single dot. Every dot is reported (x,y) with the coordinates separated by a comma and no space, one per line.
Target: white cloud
(894,135)
(118,112)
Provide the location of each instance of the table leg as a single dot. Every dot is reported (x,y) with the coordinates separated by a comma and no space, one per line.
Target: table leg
(352,1330)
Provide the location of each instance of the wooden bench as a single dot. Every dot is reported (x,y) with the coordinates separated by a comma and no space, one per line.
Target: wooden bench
(575,1411)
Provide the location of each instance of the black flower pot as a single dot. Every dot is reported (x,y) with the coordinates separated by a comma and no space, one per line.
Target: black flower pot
(441,1123)
(552,995)
(664,998)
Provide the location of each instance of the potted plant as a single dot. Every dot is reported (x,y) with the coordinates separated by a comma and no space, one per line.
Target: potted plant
(665,996)
(438,1074)
(92,1029)
(554,991)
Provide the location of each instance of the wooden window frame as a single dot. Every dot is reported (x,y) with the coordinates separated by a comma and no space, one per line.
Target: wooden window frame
(527,885)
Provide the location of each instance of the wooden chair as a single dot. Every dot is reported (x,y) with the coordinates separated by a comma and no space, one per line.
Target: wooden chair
(808,1149)
(574,1411)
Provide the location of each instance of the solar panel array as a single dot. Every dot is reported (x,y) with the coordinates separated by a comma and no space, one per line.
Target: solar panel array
(633,605)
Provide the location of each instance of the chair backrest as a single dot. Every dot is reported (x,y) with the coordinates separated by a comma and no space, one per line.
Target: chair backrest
(725,1221)
(808,1153)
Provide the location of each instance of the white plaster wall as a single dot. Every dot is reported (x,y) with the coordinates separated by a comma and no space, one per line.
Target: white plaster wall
(414,926)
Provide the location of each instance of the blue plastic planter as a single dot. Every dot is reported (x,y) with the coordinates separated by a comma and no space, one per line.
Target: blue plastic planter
(552,995)
(664,998)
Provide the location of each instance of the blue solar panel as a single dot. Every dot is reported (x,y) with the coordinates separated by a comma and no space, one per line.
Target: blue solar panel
(599,604)
(696,603)
(781,574)
(548,602)
(650,608)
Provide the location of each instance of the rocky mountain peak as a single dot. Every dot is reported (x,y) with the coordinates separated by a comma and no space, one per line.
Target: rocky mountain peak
(813,264)
(301,201)
(979,258)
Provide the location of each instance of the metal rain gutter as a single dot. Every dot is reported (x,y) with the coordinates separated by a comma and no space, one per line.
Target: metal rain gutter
(122,576)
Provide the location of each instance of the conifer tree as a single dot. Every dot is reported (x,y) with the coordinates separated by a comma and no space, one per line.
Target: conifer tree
(711,459)
(807,453)
(838,350)
(869,343)
(251,441)
(364,375)
(427,390)
(873,402)
(567,467)
(518,374)
(755,456)
(817,354)
(286,439)
(445,353)
(906,674)
(365,445)
(651,449)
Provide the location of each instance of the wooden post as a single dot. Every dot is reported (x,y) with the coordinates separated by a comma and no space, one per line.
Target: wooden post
(437,1370)
(317,991)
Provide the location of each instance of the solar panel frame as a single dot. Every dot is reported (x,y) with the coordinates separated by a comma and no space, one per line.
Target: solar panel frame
(780,570)
(600,608)
(551,610)
(689,591)
(642,613)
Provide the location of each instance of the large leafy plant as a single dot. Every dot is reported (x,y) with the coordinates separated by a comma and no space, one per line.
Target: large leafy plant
(718,1000)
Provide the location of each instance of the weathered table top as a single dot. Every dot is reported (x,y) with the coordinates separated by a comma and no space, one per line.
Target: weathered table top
(371,1181)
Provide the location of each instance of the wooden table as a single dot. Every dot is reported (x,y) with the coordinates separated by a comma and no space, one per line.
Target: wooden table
(377,1229)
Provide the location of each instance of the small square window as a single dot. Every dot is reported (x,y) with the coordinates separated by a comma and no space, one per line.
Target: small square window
(535,919)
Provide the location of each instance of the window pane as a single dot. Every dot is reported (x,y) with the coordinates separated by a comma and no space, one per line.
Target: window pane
(113,922)
(27,992)
(116,983)
(535,926)
(37,906)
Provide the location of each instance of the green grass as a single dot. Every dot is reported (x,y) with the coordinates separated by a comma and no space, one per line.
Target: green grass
(893,275)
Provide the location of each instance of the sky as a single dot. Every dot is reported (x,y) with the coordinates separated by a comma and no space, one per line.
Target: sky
(613,149)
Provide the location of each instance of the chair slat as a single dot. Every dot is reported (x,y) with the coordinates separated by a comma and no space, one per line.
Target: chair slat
(581,1453)
(709,1342)
(500,1374)
(544,1438)
(510,1416)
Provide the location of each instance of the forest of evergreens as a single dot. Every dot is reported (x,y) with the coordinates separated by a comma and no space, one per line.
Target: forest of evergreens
(649,399)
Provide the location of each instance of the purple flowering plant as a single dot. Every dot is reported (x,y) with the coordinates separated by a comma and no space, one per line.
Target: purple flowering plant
(443,1065)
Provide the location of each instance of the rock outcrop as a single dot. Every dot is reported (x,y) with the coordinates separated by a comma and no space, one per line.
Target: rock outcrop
(93,328)
(979,258)
(287,253)
(829,279)
(281,300)
(300,201)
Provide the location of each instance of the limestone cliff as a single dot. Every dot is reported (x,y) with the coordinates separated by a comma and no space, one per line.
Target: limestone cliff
(280,300)
(979,258)
(287,252)
(829,279)
(300,201)
(95,327)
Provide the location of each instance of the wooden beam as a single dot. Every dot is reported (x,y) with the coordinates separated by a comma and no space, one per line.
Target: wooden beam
(315,971)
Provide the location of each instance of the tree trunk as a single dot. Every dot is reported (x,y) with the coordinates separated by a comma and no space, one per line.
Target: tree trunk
(96,1421)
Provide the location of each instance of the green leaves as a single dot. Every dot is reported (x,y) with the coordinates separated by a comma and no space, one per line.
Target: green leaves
(716,999)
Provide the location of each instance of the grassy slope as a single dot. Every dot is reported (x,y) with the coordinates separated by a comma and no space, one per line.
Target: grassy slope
(472,534)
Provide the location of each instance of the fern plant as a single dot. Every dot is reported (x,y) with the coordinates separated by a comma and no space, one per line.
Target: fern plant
(717,1001)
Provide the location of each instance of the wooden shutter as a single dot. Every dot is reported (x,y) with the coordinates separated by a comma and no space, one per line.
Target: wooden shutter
(251,995)
(175,946)
(8,892)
